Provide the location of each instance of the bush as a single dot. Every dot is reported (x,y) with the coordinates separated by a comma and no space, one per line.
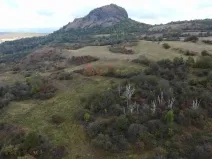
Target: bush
(96,128)
(204,62)
(57,119)
(166,46)
(9,151)
(142,60)
(135,131)
(121,123)
(62,76)
(204,151)
(120,49)
(103,141)
(79,60)
(154,125)
(160,153)
(190,61)
(210,76)
(169,117)
(192,38)
(205,53)
(87,117)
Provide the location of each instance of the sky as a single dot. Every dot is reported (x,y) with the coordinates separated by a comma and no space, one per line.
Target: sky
(16,14)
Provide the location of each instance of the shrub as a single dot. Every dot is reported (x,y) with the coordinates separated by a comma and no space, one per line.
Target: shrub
(160,153)
(192,38)
(205,53)
(166,46)
(204,62)
(135,131)
(57,119)
(79,60)
(169,117)
(210,76)
(80,114)
(64,76)
(31,140)
(120,143)
(87,117)
(9,150)
(96,128)
(120,49)
(103,141)
(190,53)
(121,123)
(202,151)
(154,125)
(142,60)
(190,61)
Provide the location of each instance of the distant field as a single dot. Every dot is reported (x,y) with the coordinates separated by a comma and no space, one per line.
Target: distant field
(152,50)
(198,47)
(15,36)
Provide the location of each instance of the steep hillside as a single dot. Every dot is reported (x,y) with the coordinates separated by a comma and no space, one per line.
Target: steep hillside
(193,25)
(109,19)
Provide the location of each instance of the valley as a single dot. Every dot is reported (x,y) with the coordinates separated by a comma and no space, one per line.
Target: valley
(14,36)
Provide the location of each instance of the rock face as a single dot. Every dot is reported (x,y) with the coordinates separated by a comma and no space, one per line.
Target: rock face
(104,16)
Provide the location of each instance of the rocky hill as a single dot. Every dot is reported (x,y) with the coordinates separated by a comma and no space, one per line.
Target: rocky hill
(105,16)
(110,20)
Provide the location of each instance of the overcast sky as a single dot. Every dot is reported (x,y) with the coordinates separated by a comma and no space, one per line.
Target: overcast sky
(56,13)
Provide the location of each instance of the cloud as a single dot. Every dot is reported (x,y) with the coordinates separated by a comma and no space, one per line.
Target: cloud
(45,13)
(49,13)
(11,3)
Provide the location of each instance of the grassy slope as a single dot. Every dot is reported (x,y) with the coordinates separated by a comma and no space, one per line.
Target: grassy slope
(35,115)
(152,50)
(198,47)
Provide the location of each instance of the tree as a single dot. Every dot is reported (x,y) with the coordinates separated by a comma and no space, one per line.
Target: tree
(169,117)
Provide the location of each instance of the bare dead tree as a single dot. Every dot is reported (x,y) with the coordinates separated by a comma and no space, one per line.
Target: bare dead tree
(128,93)
(153,107)
(119,89)
(171,103)
(160,98)
(195,104)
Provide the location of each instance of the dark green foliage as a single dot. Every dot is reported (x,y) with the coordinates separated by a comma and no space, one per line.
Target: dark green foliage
(135,132)
(120,49)
(16,142)
(190,61)
(62,75)
(79,60)
(192,38)
(205,53)
(57,119)
(103,141)
(34,87)
(169,117)
(207,42)
(121,124)
(142,60)
(179,103)
(166,46)
(204,62)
